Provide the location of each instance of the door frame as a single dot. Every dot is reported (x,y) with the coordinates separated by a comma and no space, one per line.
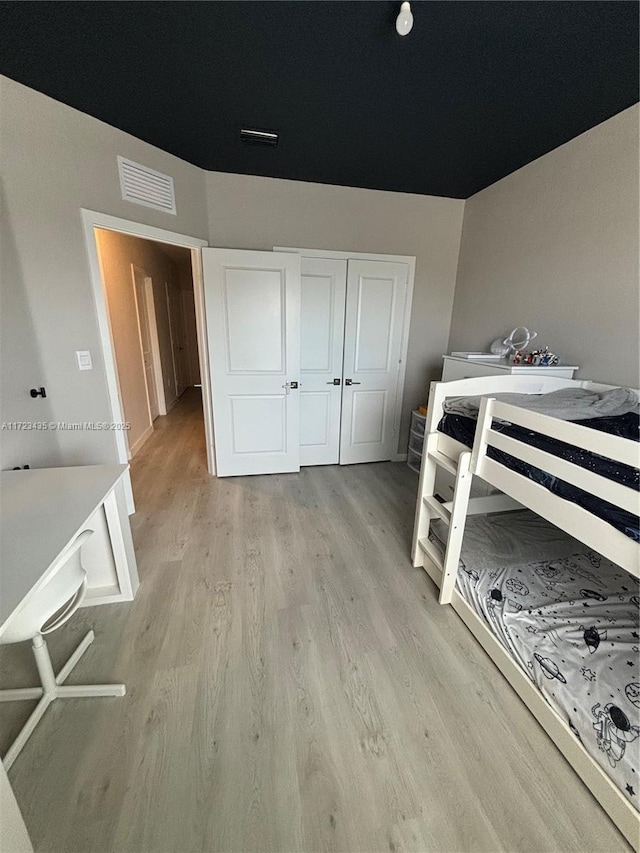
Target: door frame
(152,331)
(91,220)
(155,343)
(410,261)
(173,349)
(172,325)
(194,377)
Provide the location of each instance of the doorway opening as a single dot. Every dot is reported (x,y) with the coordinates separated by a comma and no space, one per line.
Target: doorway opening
(148,292)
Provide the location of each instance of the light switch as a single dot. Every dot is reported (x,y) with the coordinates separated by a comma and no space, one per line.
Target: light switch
(84,360)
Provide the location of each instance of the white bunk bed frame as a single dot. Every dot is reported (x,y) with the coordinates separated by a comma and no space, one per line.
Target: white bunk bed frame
(518,492)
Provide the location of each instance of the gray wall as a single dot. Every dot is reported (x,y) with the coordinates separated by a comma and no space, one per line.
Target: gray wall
(554,246)
(55,160)
(258,213)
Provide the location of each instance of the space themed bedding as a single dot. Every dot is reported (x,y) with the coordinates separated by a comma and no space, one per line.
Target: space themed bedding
(463,428)
(570,618)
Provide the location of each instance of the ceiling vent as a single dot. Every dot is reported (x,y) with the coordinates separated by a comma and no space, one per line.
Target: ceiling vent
(258,137)
(142,185)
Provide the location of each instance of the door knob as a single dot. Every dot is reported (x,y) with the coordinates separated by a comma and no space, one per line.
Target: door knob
(334,382)
(290,386)
(351,382)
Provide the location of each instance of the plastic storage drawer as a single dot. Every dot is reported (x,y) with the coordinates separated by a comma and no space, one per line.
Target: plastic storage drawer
(414,461)
(418,422)
(416,441)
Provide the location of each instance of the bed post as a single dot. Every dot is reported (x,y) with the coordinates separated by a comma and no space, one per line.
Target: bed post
(437,396)
(426,487)
(485,418)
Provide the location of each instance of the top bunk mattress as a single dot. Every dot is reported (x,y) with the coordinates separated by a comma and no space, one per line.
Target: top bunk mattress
(463,429)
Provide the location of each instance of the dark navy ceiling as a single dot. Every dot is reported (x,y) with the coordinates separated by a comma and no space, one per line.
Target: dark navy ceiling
(475,91)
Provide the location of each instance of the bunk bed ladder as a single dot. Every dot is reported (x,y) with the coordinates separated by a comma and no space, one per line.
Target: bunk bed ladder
(452,513)
(457,517)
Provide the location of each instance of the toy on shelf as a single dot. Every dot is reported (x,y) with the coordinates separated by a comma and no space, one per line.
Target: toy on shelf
(537,358)
(518,340)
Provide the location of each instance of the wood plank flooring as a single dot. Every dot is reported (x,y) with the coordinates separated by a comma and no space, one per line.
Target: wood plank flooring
(292,685)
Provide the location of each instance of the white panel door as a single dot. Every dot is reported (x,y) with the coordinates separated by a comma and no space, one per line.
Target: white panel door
(140,287)
(323,285)
(376,293)
(252,302)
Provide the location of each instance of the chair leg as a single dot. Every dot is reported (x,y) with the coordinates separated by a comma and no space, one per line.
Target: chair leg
(52,689)
(27,729)
(75,657)
(80,691)
(43,662)
(16,695)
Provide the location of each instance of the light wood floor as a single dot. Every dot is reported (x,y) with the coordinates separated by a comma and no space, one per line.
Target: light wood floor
(292,685)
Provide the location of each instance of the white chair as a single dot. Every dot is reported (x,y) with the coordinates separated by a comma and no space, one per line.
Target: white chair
(48,608)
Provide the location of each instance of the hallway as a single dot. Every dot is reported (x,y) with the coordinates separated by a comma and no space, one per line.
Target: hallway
(292,685)
(177,446)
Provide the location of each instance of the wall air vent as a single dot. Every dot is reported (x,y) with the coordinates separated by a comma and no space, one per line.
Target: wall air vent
(143,185)
(258,137)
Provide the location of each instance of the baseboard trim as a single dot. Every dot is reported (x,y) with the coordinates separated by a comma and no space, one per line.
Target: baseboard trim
(145,435)
(399,457)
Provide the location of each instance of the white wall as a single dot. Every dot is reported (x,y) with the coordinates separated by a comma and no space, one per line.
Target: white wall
(554,246)
(55,160)
(258,213)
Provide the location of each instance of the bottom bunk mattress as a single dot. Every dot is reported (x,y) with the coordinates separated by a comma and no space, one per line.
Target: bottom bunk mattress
(570,618)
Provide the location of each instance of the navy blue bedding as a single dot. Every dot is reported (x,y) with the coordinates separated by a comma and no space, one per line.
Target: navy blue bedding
(627,426)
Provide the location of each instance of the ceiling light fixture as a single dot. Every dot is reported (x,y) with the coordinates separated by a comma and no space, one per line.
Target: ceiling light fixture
(404,21)
(261,137)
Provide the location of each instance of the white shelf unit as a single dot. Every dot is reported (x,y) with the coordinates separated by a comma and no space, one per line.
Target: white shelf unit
(455,368)
(416,441)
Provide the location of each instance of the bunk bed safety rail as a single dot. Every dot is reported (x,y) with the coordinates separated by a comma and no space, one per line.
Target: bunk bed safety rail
(550,506)
(604,444)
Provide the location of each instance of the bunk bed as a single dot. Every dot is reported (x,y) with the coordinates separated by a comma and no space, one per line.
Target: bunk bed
(544,468)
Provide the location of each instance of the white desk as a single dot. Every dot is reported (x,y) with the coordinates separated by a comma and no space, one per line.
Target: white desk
(41,512)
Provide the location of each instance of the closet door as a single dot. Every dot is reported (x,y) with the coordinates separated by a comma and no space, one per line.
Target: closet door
(252,306)
(323,285)
(376,293)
